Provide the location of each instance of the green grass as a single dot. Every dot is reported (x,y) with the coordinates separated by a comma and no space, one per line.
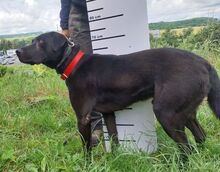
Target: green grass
(36,117)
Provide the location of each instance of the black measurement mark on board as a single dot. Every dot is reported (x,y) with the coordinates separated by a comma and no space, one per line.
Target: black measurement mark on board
(90,1)
(98,9)
(98,18)
(121,140)
(111,37)
(128,108)
(122,125)
(95,30)
(103,48)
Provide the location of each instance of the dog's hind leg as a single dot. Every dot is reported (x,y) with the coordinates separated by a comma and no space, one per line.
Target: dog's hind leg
(196,129)
(174,128)
(173,122)
(111,127)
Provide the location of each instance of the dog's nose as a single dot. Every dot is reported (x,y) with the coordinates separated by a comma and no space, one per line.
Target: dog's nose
(18,52)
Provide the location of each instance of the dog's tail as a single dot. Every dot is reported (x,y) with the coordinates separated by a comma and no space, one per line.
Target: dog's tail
(214,93)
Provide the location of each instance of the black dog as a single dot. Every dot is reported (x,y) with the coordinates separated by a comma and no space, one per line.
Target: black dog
(177,80)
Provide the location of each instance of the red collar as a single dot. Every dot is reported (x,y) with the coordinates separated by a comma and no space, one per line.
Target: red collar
(72,65)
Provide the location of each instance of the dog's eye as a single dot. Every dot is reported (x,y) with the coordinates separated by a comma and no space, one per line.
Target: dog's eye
(41,43)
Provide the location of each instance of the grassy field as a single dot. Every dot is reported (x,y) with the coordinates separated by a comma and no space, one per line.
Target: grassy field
(36,118)
(180,31)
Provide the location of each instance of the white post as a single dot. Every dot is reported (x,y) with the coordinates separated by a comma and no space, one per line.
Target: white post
(121,27)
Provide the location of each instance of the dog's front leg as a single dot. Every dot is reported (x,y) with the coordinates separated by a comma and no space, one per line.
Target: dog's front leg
(83,105)
(84,126)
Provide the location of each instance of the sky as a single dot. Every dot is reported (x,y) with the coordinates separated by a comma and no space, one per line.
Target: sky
(22,16)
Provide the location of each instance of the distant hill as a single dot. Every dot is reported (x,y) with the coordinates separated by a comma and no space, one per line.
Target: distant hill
(195,22)
(202,21)
(31,34)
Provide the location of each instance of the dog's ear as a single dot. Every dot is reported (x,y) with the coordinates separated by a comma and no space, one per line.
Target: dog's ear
(59,41)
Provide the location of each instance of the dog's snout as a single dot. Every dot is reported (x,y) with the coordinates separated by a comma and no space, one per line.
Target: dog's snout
(18,52)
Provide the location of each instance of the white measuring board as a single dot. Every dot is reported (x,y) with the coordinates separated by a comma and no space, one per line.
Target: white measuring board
(121,27)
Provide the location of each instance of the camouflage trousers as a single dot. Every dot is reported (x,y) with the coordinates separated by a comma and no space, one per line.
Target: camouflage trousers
(79,27)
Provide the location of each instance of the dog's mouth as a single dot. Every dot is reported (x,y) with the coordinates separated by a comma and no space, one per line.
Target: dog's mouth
(28,61)
(24,59)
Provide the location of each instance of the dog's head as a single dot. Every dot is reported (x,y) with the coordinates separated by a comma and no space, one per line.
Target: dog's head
(47,49)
